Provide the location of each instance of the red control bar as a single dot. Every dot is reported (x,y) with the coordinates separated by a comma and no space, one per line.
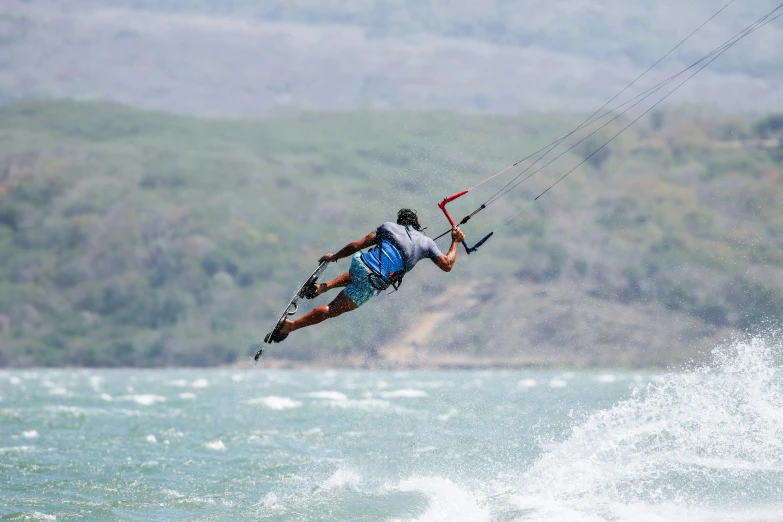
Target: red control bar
(442,204)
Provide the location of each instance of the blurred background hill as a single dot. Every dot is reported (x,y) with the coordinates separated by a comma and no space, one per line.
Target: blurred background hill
(171,170)
(248,57)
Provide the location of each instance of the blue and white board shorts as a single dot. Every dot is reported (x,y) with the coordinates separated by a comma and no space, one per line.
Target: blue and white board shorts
(360,290)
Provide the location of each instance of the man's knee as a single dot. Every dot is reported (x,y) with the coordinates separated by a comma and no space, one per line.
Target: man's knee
(322,311)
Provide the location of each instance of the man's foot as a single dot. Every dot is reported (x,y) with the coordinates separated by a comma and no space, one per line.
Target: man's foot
(287,327)
(280,332)
(312,289)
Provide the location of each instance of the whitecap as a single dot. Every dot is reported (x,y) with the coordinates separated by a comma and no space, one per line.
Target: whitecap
(58,390)
(448,415)
(216,445)
(147,399)
(527,383)
(22,449)
(407,393)
(270,501)
(15,380)
(606,378)
(200,383)
(328,395)
(179,383)
(447,501)
(362,404)
(151,438)
(342,478)
(275,403)
(74,411)
(31,434)
(43,516)
(106,397)
(557,383)
(187,395)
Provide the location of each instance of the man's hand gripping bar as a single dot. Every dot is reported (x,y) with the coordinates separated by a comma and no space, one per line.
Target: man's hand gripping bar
(442,206)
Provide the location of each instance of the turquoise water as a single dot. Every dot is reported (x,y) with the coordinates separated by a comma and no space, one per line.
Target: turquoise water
(141,445)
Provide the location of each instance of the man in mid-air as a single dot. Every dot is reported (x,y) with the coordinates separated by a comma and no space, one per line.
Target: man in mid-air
(397,247)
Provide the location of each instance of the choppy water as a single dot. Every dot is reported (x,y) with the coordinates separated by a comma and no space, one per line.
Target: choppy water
(268,445)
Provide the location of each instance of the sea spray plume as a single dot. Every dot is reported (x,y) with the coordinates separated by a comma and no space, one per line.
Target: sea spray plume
(703,442)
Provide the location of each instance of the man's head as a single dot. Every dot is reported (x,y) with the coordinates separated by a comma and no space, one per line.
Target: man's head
(407,217)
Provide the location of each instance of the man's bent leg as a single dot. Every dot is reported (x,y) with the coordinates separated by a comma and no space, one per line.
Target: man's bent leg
(338,282)
(341,304)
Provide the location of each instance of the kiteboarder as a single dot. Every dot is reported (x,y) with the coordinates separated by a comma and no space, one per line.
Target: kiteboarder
(396,248)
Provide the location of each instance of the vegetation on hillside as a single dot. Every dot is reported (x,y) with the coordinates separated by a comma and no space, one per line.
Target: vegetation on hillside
(138,238)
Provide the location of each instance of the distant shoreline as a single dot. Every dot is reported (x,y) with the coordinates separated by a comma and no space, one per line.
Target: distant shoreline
(380,366)
(444,364)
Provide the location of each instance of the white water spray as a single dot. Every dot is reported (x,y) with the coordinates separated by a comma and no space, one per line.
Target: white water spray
(706,444)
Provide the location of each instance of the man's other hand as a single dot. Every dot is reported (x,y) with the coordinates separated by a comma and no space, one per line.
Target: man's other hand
(457,235)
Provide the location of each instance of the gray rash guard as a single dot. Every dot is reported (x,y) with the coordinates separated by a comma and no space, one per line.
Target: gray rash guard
(412,244)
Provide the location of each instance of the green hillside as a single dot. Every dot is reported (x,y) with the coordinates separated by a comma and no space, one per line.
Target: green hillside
(138,238)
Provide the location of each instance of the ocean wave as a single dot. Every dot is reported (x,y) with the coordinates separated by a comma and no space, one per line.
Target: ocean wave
(363,404)
(407,393)
(447,501)
(275,403)
(328,395)
(711,437)
(216,445)
(342,478)
(15,449)
(448,415)
(145,399)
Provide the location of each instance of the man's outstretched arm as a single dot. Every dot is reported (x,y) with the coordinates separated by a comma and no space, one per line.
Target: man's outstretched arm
(350,249)
(446,261)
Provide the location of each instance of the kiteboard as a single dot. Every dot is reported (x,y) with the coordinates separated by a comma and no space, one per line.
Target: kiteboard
(293,305)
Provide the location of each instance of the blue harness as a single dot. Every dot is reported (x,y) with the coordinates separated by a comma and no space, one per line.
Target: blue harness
(386,264)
